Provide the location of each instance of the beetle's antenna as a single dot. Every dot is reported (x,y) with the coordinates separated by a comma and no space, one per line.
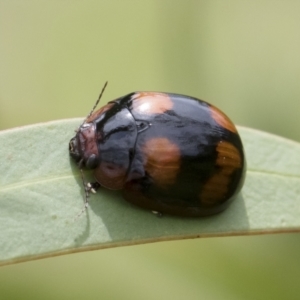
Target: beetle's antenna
(86,195)
(97,102)
(88,187)
(86,190)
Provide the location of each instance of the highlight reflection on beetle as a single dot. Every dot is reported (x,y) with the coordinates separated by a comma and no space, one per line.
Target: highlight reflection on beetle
(167,153)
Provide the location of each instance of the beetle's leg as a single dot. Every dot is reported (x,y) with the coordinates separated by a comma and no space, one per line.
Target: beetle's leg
(89,187)
(92,187)
(157,213)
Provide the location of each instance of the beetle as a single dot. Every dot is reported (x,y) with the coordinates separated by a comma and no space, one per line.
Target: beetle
(168,153)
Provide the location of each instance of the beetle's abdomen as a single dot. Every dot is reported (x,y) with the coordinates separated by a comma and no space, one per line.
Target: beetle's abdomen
(190,159)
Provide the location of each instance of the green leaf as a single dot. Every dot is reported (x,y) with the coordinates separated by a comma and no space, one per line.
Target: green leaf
(41,195)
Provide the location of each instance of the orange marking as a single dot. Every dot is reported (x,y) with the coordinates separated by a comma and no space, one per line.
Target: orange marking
(162,161)
(222,119)
(99,112)
(110,175)
(216,188)
(228,156)
(151,103)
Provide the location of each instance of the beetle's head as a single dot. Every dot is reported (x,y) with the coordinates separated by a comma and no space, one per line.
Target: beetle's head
(83,146)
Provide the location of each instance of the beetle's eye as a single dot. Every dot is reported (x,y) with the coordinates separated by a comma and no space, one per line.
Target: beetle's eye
(71,145)
(92,161)
(73,149)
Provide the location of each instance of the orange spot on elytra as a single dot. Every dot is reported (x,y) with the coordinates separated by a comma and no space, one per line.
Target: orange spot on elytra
(151,103)
(222,119)
(216,188)
(162,160)
(229,156)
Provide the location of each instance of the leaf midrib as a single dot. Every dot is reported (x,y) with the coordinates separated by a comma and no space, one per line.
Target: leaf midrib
(36,181)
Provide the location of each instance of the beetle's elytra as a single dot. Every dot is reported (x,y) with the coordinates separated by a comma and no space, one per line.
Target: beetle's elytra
(168,153)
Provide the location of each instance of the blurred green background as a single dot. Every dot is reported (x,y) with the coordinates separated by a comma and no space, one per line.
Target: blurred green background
(243,56)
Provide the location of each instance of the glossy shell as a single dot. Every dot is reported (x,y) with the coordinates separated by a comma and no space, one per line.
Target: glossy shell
(168,153)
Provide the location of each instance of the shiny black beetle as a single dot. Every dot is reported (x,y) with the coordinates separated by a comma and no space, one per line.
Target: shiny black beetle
(168,153)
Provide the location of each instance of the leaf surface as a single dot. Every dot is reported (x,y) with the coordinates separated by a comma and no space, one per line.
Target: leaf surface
(41,194)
